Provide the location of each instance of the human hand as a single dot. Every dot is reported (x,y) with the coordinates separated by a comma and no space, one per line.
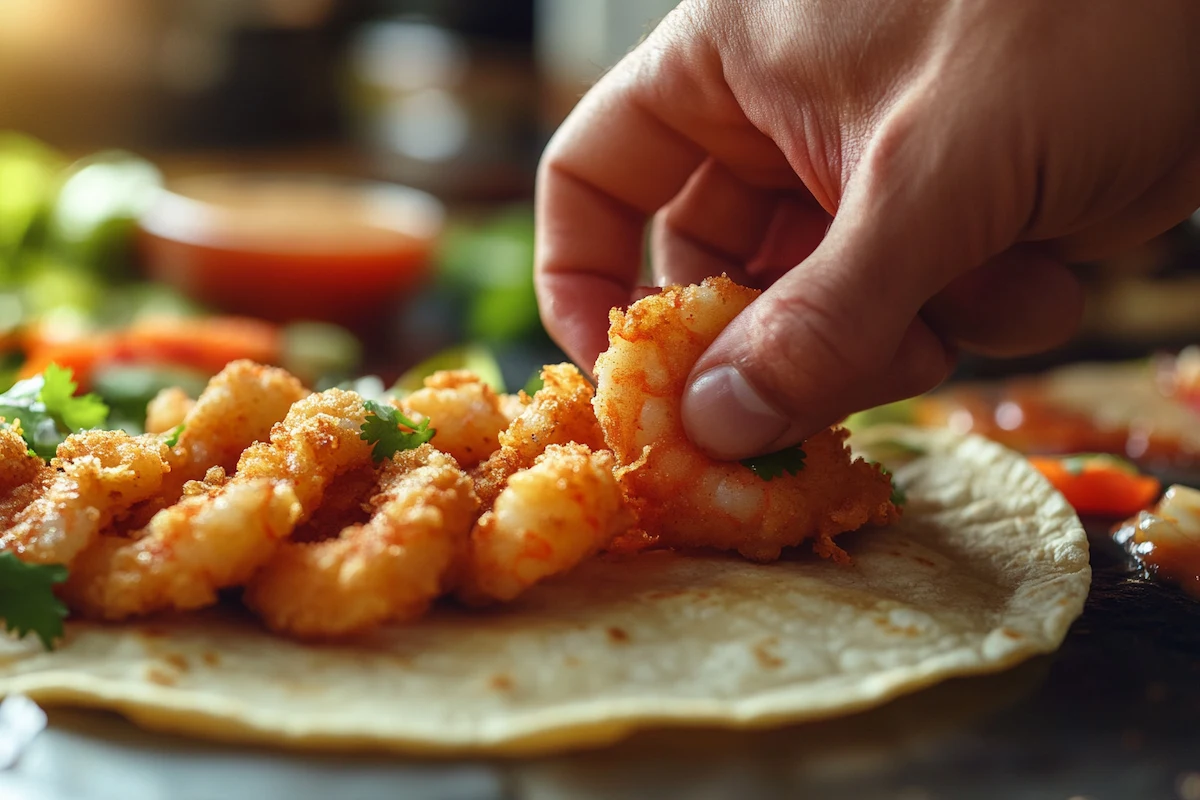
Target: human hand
(906,178)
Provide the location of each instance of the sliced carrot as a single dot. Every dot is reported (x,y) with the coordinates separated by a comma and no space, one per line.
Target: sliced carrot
(203,344)
(81,356)
(206,344)
(1099,485)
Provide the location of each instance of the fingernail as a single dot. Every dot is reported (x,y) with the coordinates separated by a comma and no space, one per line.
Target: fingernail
(726,417)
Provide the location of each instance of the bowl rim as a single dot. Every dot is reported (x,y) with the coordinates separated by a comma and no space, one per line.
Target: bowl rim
(174,216)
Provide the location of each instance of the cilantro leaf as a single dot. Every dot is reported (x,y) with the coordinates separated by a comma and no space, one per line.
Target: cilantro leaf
(27,601)
(171,437)
(385,426)
(76,413)
(773,465)
(49,411)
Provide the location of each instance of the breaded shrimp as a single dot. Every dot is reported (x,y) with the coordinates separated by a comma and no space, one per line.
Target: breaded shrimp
(213,538)
(235,410)
(464,410)
(319,439)
(223,530)
(388,569)
(97,477)
(683,496)
(559,413)
(550,517)
(168,409)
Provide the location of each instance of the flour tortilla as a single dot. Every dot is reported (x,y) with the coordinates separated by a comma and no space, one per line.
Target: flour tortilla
(988,567)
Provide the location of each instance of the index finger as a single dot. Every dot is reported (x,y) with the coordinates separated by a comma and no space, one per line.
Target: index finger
(611,165)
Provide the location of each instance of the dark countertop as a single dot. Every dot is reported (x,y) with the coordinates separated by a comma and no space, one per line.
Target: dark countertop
(1112,715)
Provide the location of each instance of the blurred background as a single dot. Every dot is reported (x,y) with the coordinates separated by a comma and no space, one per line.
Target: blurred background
(342,187)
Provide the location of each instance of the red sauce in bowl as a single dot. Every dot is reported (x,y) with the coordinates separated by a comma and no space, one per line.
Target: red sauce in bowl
(291,247)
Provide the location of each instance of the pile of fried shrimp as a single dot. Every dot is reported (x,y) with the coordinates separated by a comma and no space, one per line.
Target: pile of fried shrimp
(272,488)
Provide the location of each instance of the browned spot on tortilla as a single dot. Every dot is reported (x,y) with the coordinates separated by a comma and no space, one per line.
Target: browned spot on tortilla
(570,661)
(663,594)
(617,635)
(176,660)
(907,630)
(1010,633)
(767,659)
(211,658)
(501,683)
(923,560)
(154,632)
(161,677)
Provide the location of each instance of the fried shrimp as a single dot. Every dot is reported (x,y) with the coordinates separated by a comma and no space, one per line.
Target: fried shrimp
(682,495)
(550,517)
(318,440)
(215,537)
(235,410)
(559,413)
(168,409)
(97,477)
(466,412)
(388,569)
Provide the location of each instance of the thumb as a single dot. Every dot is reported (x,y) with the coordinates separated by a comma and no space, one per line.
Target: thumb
(842,331)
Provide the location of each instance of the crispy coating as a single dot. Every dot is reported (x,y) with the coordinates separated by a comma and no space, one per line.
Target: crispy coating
(550,517)
(683,496)
(464,410)
(216,536)
(222,531)
(559,413)
(388,569)
(319,439)
(97,477)
(238,408)
(168,409)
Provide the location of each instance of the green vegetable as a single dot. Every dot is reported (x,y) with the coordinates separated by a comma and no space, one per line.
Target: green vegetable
(49,411)
(385,426)
(128,388)
(491,265)
(93,217)
(171,437)
(534,383)
(773,465)
(315,350)
(474,357)
(29,177)
(902,412)
(27,601)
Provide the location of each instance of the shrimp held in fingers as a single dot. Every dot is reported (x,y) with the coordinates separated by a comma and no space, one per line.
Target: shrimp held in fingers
(550,517)
(388,569)
(683,496)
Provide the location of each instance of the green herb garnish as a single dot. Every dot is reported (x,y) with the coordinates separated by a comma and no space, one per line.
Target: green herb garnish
(171,437)
(385,427)
(49,411)
(27,601)
(773,465)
